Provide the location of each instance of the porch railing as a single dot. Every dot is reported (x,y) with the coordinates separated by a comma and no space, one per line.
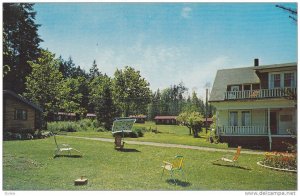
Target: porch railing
(243,130)
(261,93)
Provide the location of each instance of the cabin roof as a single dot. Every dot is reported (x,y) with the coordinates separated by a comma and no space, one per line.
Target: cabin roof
(22,99)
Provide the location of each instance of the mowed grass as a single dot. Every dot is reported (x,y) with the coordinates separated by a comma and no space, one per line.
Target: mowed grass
(171,134)
(29,165)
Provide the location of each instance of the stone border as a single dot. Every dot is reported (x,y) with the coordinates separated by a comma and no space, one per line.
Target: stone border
(275,168)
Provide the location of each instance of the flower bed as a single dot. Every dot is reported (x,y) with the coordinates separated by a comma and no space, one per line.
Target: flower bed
(280,160)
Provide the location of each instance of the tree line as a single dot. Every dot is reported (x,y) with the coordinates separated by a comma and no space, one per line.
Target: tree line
(56,84)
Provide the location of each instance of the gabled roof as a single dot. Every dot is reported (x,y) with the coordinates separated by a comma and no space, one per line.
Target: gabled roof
(246,75)
(165,117)
(22,99)
(138,116)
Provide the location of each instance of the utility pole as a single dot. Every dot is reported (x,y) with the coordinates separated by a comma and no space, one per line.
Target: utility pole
(206,112)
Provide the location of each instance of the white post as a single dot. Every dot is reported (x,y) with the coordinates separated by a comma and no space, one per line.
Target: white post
(269,130)
(217,117)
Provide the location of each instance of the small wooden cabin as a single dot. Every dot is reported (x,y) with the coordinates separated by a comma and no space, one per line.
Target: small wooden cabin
(209,122)
(20,114)
(64,116)
(167,120)
(139,118)
(91,116)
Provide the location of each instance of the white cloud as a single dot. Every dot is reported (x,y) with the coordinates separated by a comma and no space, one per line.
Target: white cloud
(185,12)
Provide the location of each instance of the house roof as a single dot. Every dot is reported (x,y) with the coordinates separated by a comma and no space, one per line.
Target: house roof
(22,99)
(66,114)
(246,75)
(165,117)
(137,116)
(208,119)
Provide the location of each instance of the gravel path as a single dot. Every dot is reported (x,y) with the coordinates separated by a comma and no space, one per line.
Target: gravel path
(171,145)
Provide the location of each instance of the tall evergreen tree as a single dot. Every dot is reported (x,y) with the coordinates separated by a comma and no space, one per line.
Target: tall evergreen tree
(94,71)
(20,43)
(102,99)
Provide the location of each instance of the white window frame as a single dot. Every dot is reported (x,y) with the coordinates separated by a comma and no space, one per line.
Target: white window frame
(271,83)
(233,122)
(243,120)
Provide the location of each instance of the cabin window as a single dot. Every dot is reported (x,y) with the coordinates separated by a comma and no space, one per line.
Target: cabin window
(233,118)
(20,114)
(246,118)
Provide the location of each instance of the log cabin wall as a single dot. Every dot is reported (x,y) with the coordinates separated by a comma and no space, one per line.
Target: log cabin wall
(10,105)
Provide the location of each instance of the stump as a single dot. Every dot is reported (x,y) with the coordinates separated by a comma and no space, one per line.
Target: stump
(80,181)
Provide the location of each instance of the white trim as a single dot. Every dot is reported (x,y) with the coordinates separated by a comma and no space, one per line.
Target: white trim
(282,79)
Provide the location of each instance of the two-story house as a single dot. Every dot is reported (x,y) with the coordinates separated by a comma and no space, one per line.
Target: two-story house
(256,106)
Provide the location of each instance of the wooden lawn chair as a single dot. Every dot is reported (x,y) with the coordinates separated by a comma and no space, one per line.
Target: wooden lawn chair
(233,160)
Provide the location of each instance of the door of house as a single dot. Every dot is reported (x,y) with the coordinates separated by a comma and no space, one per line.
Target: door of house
(273,122)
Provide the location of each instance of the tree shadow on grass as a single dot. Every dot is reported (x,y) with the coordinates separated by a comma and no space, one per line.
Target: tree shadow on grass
(235,166)
(178,182)
(128,150)
(69,156)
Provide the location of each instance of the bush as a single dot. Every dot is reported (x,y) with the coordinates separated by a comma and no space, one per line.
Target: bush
(65,126)
(72,126)
(100,129)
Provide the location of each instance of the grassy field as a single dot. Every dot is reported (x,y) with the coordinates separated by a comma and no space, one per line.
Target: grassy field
(172,134)
(29,165)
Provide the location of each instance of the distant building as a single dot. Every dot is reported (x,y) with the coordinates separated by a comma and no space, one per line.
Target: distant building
(64,116)
(167,120)
(91,116)
(139,118)
(209,121)
(19,113)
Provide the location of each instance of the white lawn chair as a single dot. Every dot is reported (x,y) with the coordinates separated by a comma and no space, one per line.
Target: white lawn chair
(60,148)
(121,126)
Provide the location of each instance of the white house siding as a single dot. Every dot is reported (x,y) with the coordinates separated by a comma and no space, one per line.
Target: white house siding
(287,120)
(259,117)
(286,114)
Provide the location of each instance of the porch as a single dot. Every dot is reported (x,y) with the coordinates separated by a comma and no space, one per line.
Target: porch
(243,130)
(257,126)
(260,93)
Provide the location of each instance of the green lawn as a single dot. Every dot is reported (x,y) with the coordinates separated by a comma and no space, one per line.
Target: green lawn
(172,134)
(28,165)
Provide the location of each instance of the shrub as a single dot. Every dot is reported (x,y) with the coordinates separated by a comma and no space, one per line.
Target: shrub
(65,126)
(281,160)
(7,135)
(100,129)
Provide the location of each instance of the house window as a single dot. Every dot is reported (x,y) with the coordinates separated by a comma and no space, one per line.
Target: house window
(285,118)
(20,114)
(289,80)
(281,80)
(246,118)
(233,118)
(275,80)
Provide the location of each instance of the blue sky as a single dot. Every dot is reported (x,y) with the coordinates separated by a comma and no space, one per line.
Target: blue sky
(169,42)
